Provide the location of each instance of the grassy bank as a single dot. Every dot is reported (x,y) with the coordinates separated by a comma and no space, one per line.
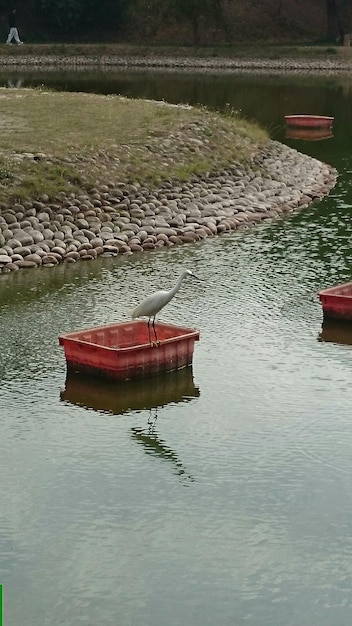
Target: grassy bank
(53,142)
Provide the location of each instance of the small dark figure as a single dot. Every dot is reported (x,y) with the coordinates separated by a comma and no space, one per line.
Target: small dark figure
(13,33)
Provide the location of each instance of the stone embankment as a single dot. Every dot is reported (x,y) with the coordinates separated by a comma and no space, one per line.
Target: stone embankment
(118,218)
(325,63)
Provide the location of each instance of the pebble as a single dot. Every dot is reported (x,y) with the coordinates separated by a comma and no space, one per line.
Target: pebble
(116,219)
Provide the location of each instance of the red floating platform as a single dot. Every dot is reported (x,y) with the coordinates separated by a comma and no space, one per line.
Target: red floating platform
(122,351)
(337,301)
(309,121)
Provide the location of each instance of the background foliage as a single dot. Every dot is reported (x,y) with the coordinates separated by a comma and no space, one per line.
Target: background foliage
(197,22)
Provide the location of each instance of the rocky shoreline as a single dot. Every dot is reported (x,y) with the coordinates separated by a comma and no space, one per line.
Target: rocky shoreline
(119,218)
(326,63)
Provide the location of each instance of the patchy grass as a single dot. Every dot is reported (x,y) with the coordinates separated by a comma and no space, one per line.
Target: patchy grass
(52,142)
(259,49)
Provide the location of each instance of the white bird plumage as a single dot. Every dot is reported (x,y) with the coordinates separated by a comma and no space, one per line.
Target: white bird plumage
(156,301)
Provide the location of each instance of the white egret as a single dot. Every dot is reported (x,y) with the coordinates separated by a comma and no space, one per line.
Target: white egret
(155,302)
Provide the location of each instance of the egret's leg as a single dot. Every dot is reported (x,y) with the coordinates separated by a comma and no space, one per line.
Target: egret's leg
(149,337)
(156,338)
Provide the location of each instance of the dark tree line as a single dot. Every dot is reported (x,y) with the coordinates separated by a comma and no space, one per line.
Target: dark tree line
(67,17)
(115,20)
(339,18)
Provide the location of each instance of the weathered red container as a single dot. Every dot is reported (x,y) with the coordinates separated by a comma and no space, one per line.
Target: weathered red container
(337,301)
(122,351)
(309,121)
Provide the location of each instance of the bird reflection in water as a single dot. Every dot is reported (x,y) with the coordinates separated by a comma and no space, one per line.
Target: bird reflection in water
(153,416)
(146,394)
(155,446)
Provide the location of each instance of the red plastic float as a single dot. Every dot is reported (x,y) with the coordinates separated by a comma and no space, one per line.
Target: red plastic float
(309,121)
(122,351)
(337,301)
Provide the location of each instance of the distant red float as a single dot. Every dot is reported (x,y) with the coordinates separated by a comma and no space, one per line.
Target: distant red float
(337,302)
(309,121)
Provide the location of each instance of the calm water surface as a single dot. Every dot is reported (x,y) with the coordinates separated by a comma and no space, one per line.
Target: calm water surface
(219,495)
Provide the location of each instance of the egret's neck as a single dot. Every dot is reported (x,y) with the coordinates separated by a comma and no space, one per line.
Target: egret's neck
(178,285)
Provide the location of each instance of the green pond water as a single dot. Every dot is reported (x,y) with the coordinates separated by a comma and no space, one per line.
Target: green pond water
(218,495)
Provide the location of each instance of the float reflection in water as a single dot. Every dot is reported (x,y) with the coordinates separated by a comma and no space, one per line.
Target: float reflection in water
(309,134)
(336,331)
(133,395)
